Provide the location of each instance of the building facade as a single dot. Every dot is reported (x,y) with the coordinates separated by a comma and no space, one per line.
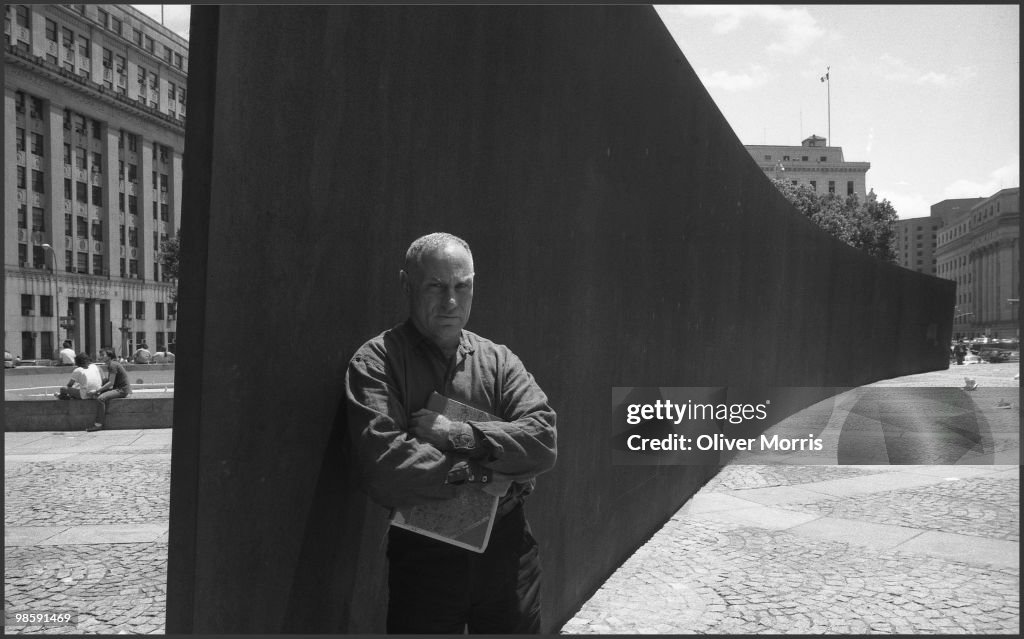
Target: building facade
(915,239)
(813,164)
(94,124)
(979,249)
(914,243)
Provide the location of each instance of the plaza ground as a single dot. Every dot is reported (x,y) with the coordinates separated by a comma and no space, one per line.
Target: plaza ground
(760,549)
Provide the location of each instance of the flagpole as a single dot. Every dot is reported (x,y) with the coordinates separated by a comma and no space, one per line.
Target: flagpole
(828,89)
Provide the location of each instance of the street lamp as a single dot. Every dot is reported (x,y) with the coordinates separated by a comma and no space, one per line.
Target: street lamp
(56,292)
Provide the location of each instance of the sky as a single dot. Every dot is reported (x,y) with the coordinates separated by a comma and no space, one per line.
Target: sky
(928,94)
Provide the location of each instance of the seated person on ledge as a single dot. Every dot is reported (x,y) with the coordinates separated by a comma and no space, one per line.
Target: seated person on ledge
(85,380)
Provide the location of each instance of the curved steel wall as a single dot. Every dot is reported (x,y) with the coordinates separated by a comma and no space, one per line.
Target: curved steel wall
(622,236)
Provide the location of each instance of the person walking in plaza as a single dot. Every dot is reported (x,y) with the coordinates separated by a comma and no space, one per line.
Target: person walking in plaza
(67,354)
(85,380)
(960,351)
(409,455)
(116,387)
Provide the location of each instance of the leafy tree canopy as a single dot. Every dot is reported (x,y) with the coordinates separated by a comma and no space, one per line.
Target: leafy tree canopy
(869,225)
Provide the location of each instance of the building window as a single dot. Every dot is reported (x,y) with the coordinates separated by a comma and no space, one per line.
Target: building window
(804,158)
(133,237)
(21,177)
(767,158)
(35,108)
(849,188)
(83,48)
(133,205)
(51,30)
(83,262)
(81,191)
(97,162)
(83,227)
(67,188)
(133,268)
(115,25)
(177,60)
(67,229)
(97,129)
(28,306)
(126,308)
(831,186)
(824,158)
(168,55)
(159,310)
(37,182)
(19,137)
(164,212)
(97,195)
(97,265)
(38,219)
(23,217)
(814,185)
(68,38)
(103,17)
(163,182)
(133,142)
(120,205)
(133,173)
(138,37)
(21,15)
(46,306)
(149,44)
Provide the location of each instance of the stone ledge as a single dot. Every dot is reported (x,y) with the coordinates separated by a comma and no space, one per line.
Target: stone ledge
(77,414)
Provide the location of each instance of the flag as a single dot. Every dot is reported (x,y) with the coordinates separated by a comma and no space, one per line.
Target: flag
(825,77)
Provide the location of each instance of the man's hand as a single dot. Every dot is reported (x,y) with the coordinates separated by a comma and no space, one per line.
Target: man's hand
(431,427)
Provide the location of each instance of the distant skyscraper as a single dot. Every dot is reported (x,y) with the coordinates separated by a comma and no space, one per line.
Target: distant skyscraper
(94,124)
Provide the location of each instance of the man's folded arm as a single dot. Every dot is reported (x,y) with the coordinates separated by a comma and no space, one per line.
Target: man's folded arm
(396,470)
(526,445)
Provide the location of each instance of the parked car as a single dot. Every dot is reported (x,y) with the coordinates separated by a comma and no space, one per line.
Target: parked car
(996,351)
(10,361)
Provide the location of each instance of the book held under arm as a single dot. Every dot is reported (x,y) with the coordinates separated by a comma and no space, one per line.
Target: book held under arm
(465,521)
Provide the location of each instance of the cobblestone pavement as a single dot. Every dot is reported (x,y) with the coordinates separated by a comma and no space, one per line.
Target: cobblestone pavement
(86,529)
(866,549)
(760,549)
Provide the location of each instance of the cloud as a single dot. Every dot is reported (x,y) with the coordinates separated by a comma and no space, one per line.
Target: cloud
(792,30)
(898,70)
(755,77)
(908,205)
(1003,177)
(871,142)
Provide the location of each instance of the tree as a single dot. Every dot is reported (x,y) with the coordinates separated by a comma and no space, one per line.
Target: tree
(170,257)
(868,225)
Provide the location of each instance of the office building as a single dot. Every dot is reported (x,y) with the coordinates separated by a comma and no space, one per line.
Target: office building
(94,117)
(813,164)
(979,249)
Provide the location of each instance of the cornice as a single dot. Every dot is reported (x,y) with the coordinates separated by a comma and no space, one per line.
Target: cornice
(38,75)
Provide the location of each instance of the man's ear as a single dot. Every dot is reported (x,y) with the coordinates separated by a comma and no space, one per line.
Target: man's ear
(403,280)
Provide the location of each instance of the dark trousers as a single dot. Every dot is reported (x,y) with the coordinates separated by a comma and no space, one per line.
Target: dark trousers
(435,587)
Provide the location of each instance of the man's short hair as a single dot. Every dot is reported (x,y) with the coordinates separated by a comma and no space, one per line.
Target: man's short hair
(81,360)
(110,352)
(431,242)
(67,343)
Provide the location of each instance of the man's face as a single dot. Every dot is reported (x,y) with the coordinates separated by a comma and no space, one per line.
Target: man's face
(440,293)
